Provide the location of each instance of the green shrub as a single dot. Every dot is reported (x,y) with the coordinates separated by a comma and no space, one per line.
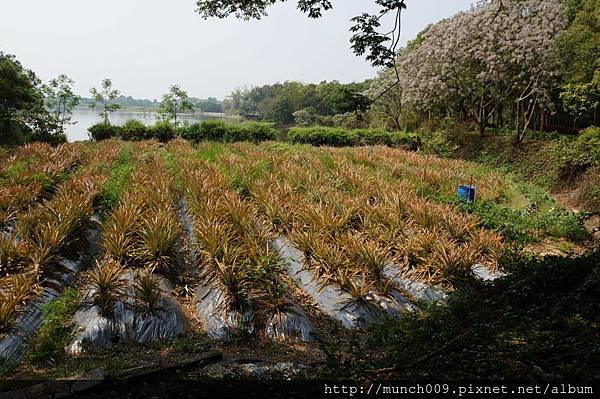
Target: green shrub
(162,131)
(234,133)
(339,137)
(260,131)
(540,307)
(50,138)
(526,225)
(209,130)
(217,130)
(191,132)
(134,130)
(103,131)
(437,143)
(320,135)
(575,157)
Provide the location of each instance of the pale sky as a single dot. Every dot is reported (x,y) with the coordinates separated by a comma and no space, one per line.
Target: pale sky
(145,46)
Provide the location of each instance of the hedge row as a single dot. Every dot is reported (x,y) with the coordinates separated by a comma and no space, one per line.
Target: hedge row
(213,130)
(339,137)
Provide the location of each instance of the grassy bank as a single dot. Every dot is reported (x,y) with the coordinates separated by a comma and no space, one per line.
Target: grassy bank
(561,164)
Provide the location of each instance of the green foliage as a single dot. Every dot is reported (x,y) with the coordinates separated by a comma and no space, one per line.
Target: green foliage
(54,333)
(217,130)
(437,143)
(24,115)
(210,152)
(339,137)
(175,101)
(19,88)
(209,130)
(118,178)
(528,225)
(134,130)
(259,131)
(305,116)
(103,131)
(20,82)
(48,137)
(579,48)
(59,101)
(162,131)
(103,99)
(6,366)
(543,315)
(574,157)
(46,181)
(580,44)
(14,169)
(581,99)
(303,104)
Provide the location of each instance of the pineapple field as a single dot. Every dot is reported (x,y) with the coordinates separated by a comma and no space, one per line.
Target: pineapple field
(113,253)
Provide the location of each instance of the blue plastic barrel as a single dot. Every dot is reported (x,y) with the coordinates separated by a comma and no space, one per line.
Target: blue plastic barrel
(466,193)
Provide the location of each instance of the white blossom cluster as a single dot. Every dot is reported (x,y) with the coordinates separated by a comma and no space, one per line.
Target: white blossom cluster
(495,53)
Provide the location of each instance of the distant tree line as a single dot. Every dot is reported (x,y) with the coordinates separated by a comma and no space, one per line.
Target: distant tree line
(295,102)
(209,104)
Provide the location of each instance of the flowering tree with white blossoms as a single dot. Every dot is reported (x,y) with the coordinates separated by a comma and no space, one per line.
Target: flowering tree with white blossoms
(474,66)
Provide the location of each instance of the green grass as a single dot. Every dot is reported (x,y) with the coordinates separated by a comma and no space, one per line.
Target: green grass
(210,151)
(119,176)
(55,331)
(12,171)
(46,181)
(526,226)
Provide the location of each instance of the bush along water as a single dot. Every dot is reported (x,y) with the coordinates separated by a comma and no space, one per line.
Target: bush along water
(339,137)
(217,130)
(163,131)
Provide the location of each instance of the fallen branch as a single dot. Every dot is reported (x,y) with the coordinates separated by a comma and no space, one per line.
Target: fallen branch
(66,387)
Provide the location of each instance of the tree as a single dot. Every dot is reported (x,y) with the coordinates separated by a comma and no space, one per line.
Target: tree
(175,101)
(580,60)
(388,109)
(499,56)
(305,116)
(20,98)
(103,99)
(60,101)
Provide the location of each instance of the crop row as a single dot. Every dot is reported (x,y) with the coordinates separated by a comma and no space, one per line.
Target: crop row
(31,251)
(140,233)
(351,220)
(32,171)
(232,244)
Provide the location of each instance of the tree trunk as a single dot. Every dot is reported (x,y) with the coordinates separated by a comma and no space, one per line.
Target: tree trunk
(500,115)
(481,118)
(527,116)
(542,120)
(597,116)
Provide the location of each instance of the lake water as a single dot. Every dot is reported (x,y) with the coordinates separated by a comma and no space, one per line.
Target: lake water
(86,118)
